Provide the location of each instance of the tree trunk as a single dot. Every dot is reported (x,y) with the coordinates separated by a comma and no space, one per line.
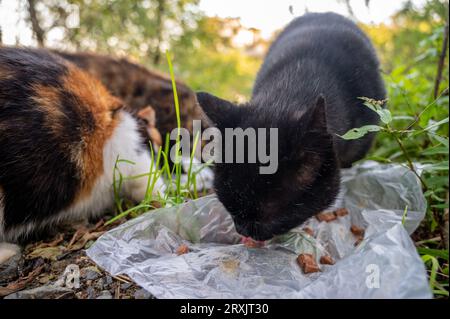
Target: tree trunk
(159,30)
(441,62)
(38,32)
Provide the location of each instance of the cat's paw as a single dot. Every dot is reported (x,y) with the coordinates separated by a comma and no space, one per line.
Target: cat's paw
(138,191)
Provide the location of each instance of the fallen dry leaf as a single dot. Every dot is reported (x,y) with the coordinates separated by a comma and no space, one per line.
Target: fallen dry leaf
(50,253)
(20,283)
(84,239)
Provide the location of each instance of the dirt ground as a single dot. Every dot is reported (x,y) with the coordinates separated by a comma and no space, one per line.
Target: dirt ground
(58,268)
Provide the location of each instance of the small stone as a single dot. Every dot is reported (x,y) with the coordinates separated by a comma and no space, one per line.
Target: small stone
(90,292)
(9,270)
(99,284)
(126,285)
(91,273)
(142,294)
(105,294)
(108,280)
(44,292)
(43,280)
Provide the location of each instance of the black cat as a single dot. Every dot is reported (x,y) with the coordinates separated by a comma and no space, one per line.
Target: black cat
(308,87)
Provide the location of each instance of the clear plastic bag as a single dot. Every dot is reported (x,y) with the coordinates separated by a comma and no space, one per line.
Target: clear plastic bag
(384,265)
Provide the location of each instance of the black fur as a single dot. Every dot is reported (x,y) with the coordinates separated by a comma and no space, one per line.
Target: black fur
(316,55)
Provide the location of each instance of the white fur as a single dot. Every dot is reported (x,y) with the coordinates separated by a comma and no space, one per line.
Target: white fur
(125,143)
(7,251)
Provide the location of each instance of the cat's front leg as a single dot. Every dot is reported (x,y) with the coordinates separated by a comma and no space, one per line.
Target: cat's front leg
(126,155)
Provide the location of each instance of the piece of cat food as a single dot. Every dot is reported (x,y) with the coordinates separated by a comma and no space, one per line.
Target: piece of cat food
(309,231)
(340,212)
(357,231)
(326,217)
(326,260)
(307,263)
(251,243)
(182,249)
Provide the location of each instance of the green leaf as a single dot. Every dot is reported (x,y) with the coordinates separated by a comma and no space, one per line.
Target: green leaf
(434,268)
(437,181)
(431,126)
(441,253)
(442,166)
(435,151)
(377,106)
(440,139)
(126,161)
(385,116)
(360,132)
(440,206)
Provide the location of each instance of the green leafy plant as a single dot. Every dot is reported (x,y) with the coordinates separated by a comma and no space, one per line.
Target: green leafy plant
(408,141)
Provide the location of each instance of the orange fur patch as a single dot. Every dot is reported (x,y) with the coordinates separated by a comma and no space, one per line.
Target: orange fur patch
(93,97)
(48,101)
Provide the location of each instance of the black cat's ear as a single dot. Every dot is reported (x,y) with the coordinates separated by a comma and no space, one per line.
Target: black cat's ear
(318,116)
(216,109)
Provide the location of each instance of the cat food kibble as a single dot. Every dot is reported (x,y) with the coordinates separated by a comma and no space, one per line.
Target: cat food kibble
(326,260)
(182,249)
(326,217)
(251,243)
(307,263)
(357,231)
(340,212)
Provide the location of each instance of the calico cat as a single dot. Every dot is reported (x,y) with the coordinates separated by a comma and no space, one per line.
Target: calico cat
(140,88)
(308,87)
(60,135)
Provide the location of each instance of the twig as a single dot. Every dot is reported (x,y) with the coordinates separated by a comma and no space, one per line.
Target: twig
(123,279)
(441,61)
(445,91)
(410,163)
(117,292)
(38,31)
(434,239)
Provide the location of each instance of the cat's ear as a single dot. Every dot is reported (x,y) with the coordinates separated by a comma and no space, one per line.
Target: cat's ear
(318,116)
(218,111)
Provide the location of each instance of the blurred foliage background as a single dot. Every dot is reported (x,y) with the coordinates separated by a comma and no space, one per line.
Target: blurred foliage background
(413,49)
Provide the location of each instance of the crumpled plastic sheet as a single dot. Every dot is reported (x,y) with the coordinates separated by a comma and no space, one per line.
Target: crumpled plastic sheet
(384,265)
